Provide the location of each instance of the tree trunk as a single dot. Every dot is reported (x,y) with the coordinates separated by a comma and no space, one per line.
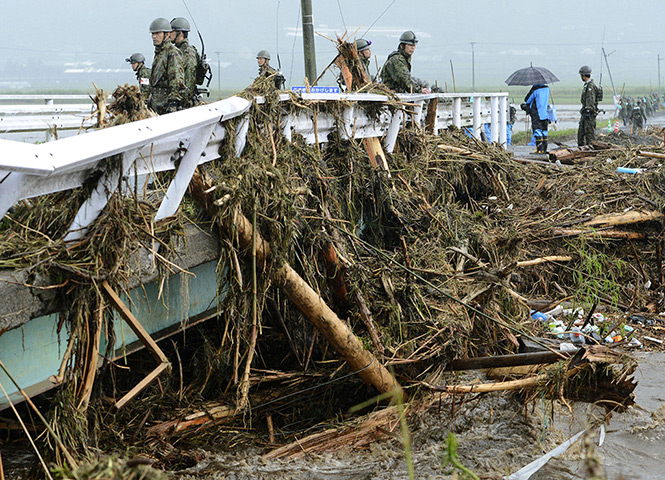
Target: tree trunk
(306,299)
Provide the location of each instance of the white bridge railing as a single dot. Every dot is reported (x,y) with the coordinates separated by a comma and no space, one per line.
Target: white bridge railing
(193,137)
(44,114)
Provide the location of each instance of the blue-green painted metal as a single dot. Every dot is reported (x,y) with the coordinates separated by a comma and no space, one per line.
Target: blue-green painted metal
(33,353)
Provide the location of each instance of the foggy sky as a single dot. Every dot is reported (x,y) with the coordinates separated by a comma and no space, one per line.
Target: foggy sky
(54,43)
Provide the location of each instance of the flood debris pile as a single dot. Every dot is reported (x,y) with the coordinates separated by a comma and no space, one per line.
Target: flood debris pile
(333,269)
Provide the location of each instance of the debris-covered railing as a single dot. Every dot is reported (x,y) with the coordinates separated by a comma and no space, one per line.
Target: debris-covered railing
(188,138)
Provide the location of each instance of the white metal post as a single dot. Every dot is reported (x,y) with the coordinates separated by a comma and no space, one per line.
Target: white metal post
(99,198)
(186,169)
(503,120)
(494,119)
(241,135)
(393,131)
(457,112)
(476,116)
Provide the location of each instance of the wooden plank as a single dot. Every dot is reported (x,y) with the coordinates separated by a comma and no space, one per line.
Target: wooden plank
(142,385)
(91,360)
(133,323)
(538,261)
(145,338)
(431,115)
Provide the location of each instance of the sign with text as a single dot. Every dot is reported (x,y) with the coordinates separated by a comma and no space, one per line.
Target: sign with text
(316,89)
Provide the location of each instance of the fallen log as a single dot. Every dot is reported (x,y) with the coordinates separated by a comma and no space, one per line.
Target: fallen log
(308,301)
(627,218)
(462,151)
(567,155)
(611,387)
(377,425)
(617,234)
(214,415)
(651,154)
(514,360)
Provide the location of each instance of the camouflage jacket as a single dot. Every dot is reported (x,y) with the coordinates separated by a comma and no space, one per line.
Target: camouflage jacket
(167,78)
(588,99)
(266,70)
(638,114)
(365,63)
(396,72)
(191,59)
(143,77)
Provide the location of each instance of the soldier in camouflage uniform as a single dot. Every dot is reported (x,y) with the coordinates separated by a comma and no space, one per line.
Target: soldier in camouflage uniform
(265,70)
(396,72)
(586,131)
(190,57)
(638,119)
(137,60)
(167,78)
(365,53)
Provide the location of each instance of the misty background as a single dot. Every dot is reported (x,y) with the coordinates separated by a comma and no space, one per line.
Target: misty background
(67,44)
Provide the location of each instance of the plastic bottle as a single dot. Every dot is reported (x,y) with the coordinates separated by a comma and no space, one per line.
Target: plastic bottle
(575,336)
(538,316)
(567,347)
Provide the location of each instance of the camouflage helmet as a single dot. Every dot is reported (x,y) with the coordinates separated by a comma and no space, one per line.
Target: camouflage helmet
(408,37)
(362,44)
(263,54)
(160,25)
(585,70)
(136,58)
(180,24)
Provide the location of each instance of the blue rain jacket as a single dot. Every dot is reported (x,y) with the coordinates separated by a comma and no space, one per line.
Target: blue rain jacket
(539,98)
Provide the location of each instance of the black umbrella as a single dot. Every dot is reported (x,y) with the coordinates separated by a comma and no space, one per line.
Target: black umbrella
(531,76)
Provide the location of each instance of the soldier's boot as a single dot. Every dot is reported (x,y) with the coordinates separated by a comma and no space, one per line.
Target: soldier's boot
(543,145)
(539,142)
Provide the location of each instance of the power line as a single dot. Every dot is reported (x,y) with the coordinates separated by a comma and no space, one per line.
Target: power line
(379,18)
(279,60)
(293,48)
(341,14)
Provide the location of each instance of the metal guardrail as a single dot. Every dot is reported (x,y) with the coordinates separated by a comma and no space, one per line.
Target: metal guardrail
(17,116)
(47,98)
(193,137)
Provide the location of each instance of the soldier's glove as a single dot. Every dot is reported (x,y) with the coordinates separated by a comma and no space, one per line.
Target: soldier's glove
(172,107)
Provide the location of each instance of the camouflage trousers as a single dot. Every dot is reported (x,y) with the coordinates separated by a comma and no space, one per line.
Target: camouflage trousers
(586,132)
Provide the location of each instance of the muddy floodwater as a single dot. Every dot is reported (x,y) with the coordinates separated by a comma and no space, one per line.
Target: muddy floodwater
(497,436)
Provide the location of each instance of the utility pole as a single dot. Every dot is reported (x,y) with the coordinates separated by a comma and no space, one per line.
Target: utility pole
(473,67)
(219,75)
(308,40)
(659,60)
(609,72)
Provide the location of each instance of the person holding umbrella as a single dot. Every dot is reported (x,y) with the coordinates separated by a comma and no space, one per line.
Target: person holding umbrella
(535,102)
(535,105)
